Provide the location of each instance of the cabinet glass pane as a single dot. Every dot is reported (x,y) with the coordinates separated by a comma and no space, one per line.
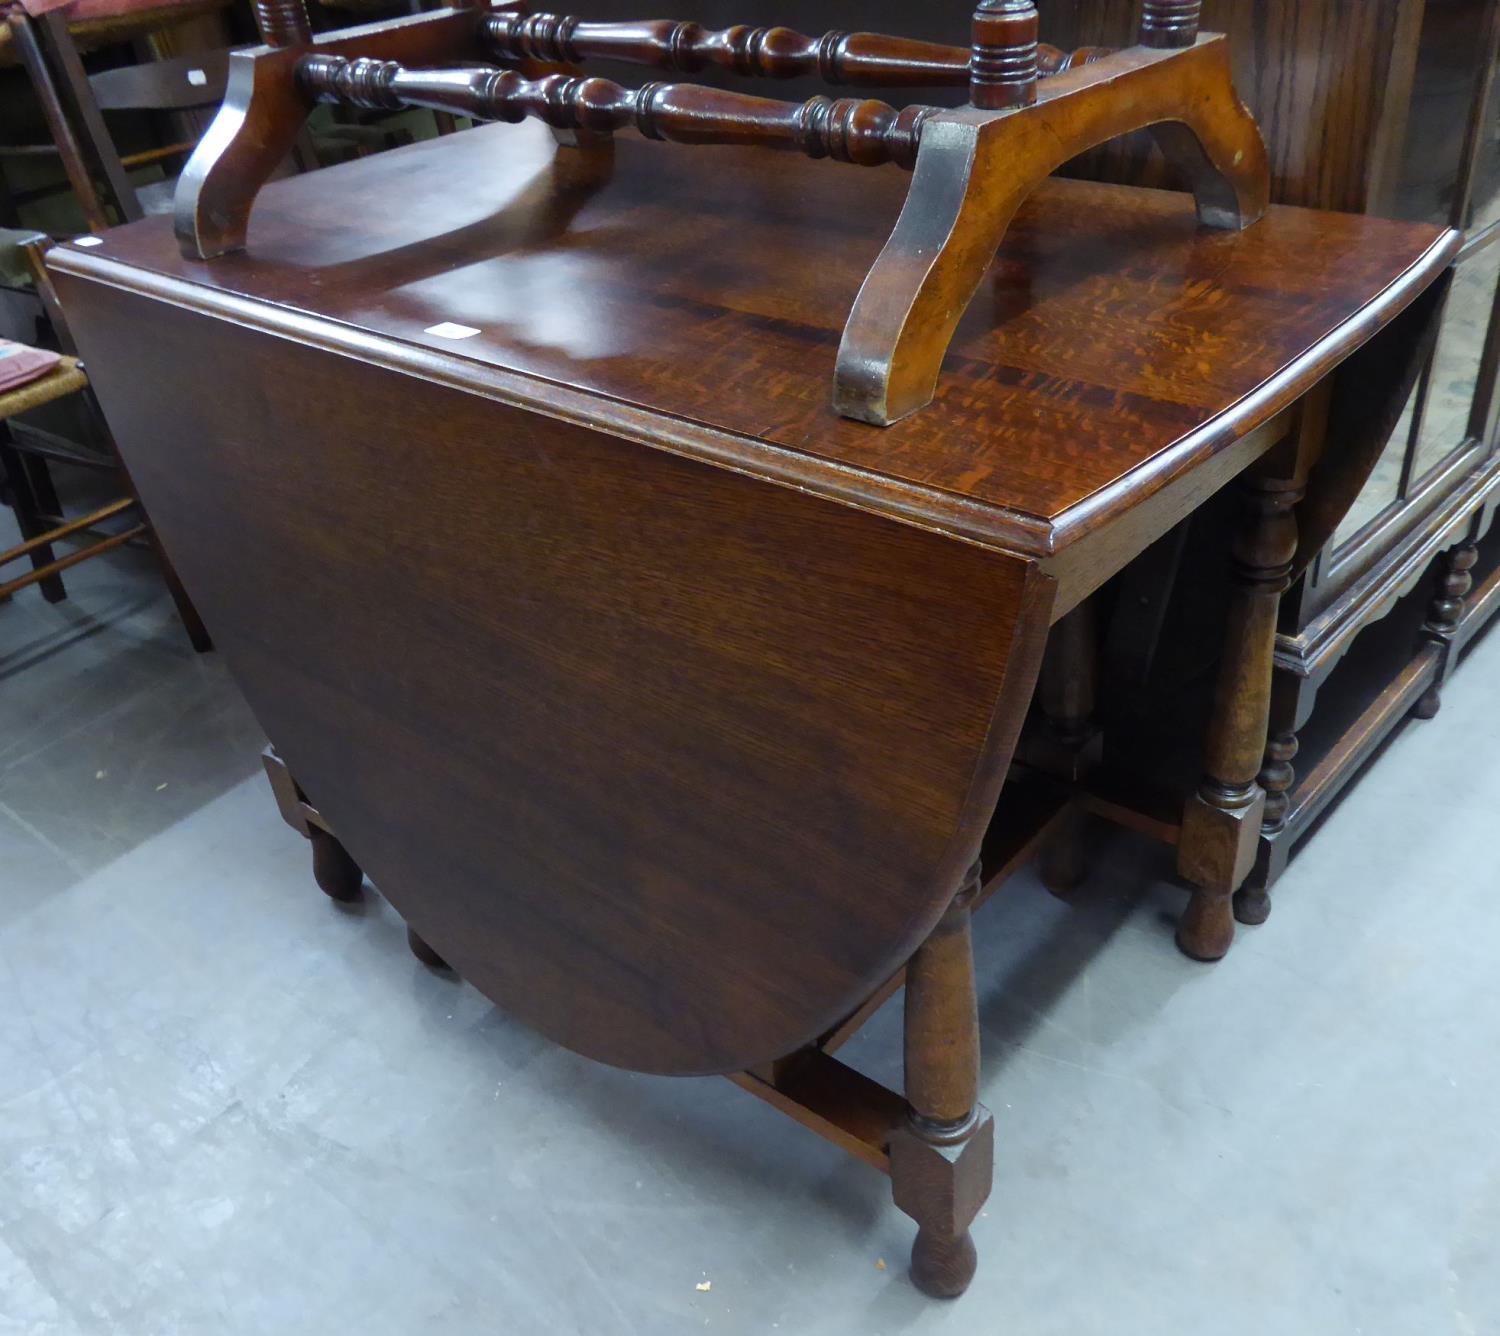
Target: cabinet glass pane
(1485,204)
(1449,58)
(1455,365)
(1385,482)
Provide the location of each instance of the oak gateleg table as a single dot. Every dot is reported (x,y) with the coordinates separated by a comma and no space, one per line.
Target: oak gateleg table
(670,708)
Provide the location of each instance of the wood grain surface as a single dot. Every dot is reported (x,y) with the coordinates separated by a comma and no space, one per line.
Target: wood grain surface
(675,765)
(1113,347)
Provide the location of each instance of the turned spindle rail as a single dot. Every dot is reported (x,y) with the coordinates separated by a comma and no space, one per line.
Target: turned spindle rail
(973,166)
(837,58)
(848,130)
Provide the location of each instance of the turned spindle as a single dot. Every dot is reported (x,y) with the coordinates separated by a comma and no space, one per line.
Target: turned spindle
(283,22)
(1277,775)
(1003,63)
(760,53)
(1444,616)
(1168,24)
(864,132)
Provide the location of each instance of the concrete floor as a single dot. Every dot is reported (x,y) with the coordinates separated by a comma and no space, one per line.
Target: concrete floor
(229,1106)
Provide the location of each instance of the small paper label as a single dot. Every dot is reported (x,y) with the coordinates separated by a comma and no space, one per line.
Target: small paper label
(448,330)
(197,78)
(88,241)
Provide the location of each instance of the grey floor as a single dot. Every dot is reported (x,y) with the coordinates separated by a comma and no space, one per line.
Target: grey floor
(229,1106)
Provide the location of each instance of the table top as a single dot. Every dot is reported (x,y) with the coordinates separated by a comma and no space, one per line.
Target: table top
(696,296)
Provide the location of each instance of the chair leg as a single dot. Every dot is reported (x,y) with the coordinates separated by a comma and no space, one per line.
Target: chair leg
(61,53)
(192,623)
(19,484)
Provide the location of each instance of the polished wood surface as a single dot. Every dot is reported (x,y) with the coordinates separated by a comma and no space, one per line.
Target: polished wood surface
(978,167)
(717,281)
(590,708)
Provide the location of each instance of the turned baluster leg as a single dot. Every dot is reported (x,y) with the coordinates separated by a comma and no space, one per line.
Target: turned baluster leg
(1066,693)
(1167,24)
(1003,63)
(1221,822)
(942,1158)
(1444,617)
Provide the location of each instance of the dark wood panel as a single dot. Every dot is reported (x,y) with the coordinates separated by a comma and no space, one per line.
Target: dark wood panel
(676,765)
(1327,80)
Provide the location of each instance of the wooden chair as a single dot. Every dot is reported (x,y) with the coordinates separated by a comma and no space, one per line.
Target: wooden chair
(74,102)
(26,482)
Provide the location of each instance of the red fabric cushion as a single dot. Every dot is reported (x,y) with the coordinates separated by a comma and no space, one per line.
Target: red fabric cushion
(20,363)
(82,11)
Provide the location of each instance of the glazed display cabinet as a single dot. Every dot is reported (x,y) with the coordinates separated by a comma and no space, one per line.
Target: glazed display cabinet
(1387,108)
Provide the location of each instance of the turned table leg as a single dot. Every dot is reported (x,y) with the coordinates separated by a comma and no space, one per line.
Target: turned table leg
(1222,820)
(942,1158)
(1067,749)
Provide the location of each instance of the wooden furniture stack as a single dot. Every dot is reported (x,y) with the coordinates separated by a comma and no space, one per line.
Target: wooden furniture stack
(666,692)
(49,44)
(26,454)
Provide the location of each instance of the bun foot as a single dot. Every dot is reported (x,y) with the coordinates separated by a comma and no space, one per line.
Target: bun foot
(1061,862)
(338,876)
(1206,930)
(941,1265)
(1428,704)
(426,954)
(1252,905)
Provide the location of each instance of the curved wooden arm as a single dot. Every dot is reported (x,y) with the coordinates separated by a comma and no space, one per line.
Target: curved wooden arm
(864,132)
(975,170)
(763,53)
(264,110)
